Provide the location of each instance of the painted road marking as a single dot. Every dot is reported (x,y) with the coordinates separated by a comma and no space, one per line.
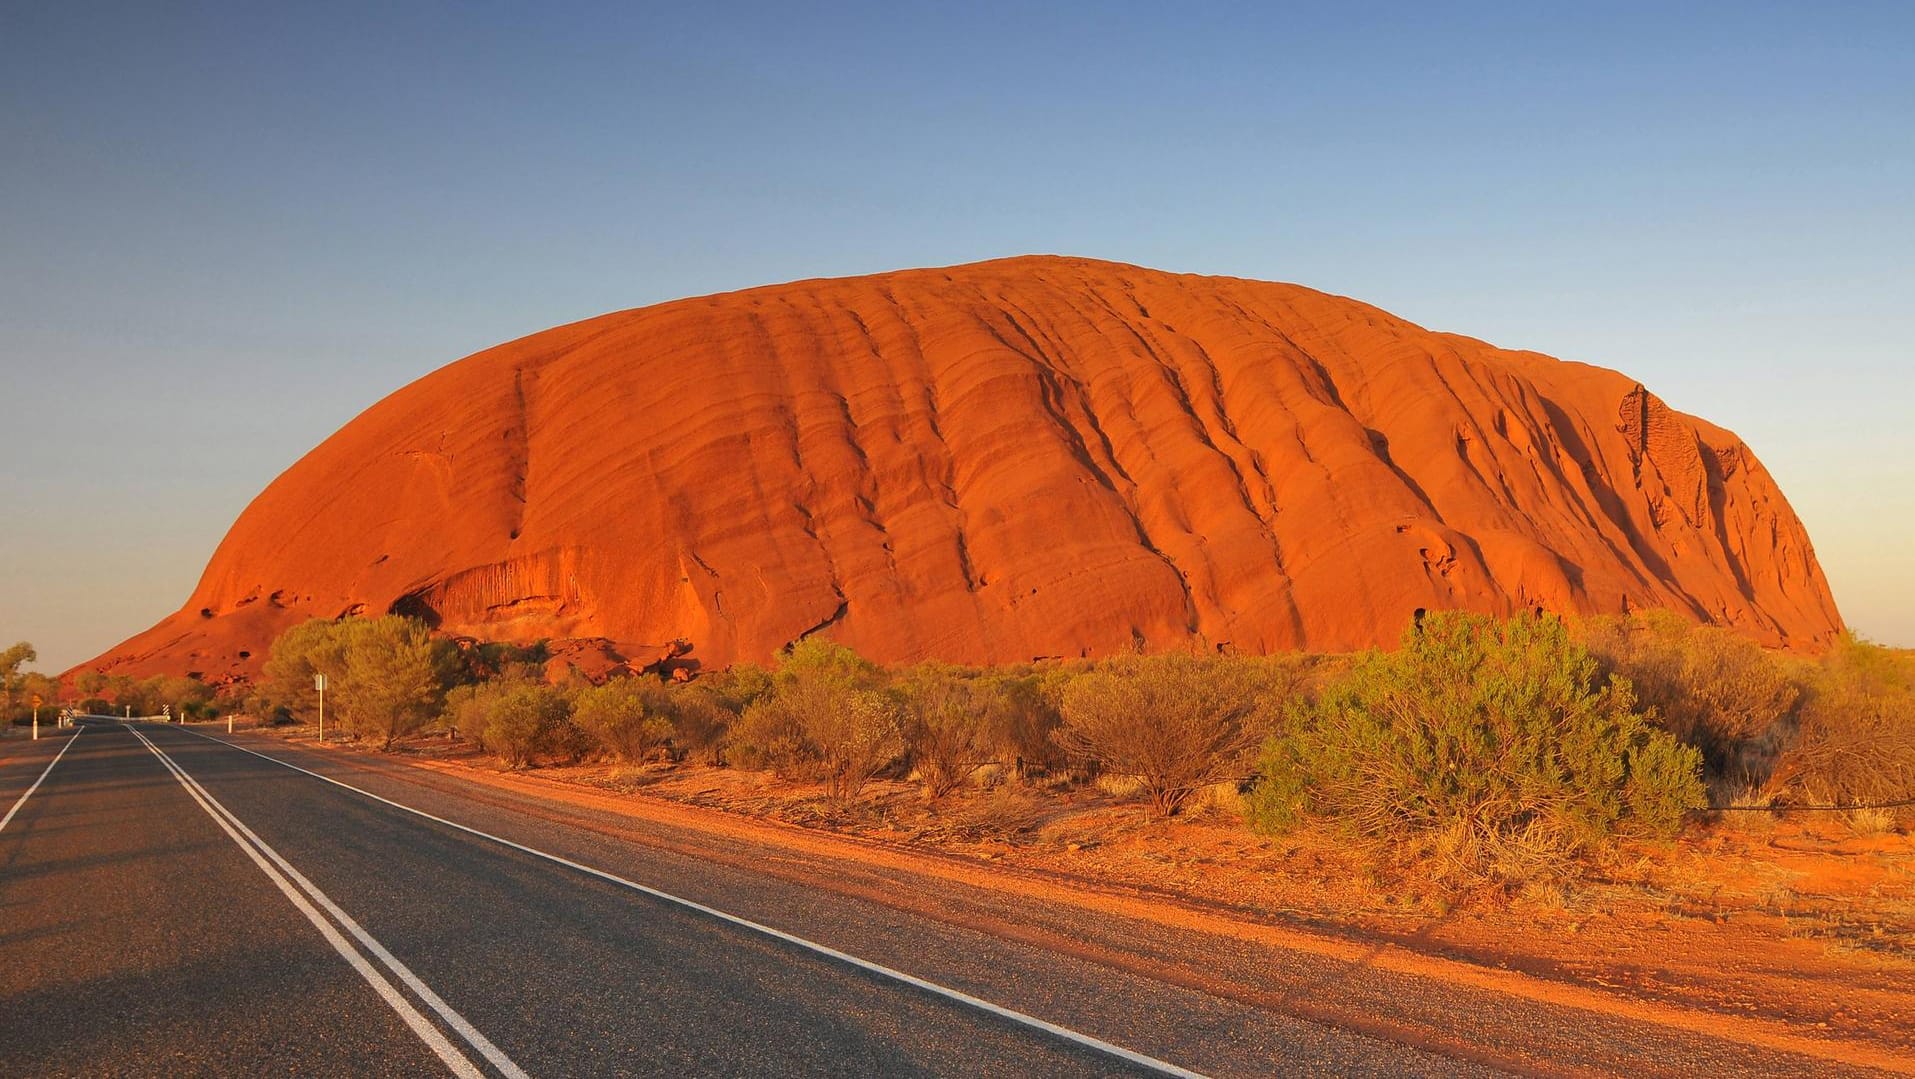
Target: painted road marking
(8,819)
(454,1060)
(957,995)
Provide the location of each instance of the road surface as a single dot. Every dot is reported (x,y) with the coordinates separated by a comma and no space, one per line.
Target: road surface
(171,904)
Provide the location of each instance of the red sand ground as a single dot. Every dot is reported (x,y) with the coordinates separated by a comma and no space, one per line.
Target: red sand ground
(989,463)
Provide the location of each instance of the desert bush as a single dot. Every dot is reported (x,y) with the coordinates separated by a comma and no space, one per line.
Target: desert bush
(827,717)
(1175,723)
(524,720)
(948,725)
(1495,745)
(1021,720)
(467,710)
(1856,740)
(700,720)
(855,738)
(625,717)
(737,687)
(1710,687)
(768,738)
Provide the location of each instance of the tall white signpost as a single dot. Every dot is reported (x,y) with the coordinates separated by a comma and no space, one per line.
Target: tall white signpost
(319,683)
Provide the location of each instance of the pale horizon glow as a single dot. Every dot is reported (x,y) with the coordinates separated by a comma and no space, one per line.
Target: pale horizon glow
(227,230)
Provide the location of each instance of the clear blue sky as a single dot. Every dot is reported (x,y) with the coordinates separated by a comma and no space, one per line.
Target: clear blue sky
(225,230)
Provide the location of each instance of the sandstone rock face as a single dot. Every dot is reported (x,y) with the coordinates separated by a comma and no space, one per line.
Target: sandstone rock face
(987,463)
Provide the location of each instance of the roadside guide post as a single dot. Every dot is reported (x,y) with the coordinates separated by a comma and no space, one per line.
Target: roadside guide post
(319,683)
(36,716)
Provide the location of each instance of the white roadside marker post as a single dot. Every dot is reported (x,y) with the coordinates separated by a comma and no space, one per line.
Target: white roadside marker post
(319,683)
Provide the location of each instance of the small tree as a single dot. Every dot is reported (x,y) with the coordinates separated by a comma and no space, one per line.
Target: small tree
(394,681)
(11,661)
(316,646)
(1176,723)
(387,676)
(90,685)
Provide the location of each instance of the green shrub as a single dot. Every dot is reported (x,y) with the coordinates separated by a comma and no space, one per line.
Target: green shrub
(827,717)
(517,719)
(1495,744)
(468,710)
(625,717)
(737,687)
(768,738)
(1175,723)
(524,720)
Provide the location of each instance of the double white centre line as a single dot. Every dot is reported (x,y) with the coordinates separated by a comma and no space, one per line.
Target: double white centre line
(311,902)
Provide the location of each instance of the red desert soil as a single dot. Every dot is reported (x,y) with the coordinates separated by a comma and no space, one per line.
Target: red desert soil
(1787,935)
(1029,457)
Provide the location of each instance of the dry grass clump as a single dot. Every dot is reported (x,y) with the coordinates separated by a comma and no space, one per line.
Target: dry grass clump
(1004,811)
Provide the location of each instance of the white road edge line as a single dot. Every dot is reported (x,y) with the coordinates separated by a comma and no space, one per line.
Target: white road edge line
(457,1062)
(22,800)
(1067,1034)
(453,1019)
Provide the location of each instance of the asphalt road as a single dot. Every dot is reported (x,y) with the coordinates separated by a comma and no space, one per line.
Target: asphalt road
(172,905)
